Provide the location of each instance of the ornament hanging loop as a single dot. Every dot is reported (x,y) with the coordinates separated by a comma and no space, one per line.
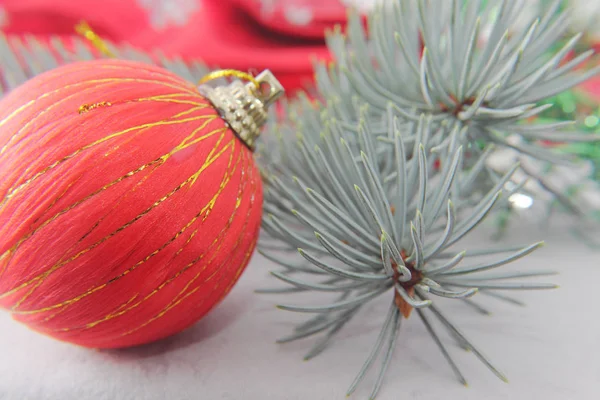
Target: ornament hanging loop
(269,89)
(223,73)
(243,106)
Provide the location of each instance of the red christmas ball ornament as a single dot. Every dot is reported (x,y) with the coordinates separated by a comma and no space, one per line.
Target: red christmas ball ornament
(130,202)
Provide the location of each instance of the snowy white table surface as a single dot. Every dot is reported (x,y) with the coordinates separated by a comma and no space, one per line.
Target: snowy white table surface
(549,349)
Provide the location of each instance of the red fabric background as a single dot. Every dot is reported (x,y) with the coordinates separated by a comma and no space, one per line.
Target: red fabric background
(240,34)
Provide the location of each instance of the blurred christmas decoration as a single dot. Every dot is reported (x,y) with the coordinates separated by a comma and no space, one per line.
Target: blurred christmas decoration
(583,15)
(165,13)
(281,35)
(231,38)
(295,18)
(302,18)
(579,106)
(376,183)
(129,198)
(584,18)
(579,190)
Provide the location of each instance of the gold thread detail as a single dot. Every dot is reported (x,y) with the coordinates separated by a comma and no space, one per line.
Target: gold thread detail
(188,181)
(166,121)
(73,85)
(131,269)
(88,107)
(217,241)
(158,162)
(178,299)
(86,31)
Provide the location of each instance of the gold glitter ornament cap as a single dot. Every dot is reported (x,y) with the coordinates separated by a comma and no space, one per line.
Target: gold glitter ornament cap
(244,106)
